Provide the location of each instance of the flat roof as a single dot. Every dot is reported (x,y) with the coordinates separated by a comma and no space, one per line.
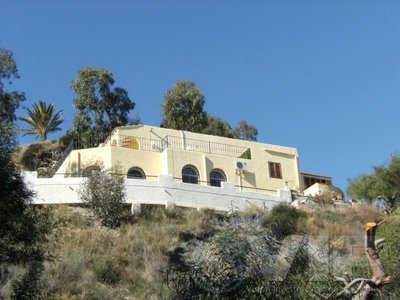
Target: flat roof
(315,175)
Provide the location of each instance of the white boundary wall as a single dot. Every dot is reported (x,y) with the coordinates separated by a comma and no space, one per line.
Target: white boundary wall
(164,191)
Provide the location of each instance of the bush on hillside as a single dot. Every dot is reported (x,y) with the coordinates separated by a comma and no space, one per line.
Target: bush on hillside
(40,157)
(391,253)
(241,260)
(104,195)
(285,219)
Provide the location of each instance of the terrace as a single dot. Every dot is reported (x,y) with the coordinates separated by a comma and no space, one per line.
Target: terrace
(155,145)
(178,143)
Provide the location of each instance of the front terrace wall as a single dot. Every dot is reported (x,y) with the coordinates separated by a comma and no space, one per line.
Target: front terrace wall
(163,191)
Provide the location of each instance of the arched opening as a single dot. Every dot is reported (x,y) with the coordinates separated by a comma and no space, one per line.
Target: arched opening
(216,177)
(136,173)
(190,174)
(88,170)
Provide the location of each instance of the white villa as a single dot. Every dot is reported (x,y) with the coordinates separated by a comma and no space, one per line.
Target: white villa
(172,167)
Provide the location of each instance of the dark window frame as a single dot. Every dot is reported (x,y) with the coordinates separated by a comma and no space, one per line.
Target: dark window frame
(275,170)
(217,181)
(192,176)
(138,171)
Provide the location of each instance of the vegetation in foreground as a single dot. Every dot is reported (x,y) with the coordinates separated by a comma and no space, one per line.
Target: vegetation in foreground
(158,255)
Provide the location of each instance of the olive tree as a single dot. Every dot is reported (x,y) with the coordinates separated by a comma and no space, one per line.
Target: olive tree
(104,195)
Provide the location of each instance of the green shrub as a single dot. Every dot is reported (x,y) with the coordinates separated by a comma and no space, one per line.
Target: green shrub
(284,219)
(29,286)
(104,195)
(106,270)
(391,250)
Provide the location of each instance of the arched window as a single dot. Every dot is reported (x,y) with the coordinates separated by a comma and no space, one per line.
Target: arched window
(216,177)
(136,173)
(88,170)
(190,174)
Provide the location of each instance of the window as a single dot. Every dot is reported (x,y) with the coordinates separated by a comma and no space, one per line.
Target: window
(88,170)
(190,174)
(309,181)
(216,177)
(275,170)
(136,173)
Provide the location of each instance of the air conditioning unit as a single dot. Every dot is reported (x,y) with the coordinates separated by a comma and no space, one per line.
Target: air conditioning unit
(240,166)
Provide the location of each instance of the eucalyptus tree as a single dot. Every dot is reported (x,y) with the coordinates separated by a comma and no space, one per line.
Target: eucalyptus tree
(42,120)
(183,108)
(245,131)
(216,126)
(99,107)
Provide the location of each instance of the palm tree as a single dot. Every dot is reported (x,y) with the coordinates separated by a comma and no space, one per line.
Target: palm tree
(42,120)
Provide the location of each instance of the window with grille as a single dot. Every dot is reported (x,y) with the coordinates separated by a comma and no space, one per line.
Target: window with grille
(136,173)
(190,174)
(216,177)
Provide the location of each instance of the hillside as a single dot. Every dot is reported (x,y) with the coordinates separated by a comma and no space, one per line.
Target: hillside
(184,253)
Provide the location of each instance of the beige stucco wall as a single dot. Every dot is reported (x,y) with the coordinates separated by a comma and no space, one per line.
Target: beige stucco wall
(118,159)
(257,176)
(124,159)
(171,161)
(78,160)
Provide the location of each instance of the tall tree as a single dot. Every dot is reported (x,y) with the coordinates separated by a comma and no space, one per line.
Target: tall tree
(383,182)
(100,108)
(9,100)
(43,120)
(22,227)
(246,131)
(183,108)
(216,126)
(22,230)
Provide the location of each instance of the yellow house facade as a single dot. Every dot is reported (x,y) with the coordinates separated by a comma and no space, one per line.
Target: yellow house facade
(147,152)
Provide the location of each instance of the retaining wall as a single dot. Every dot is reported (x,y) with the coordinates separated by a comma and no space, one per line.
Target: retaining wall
(164,191)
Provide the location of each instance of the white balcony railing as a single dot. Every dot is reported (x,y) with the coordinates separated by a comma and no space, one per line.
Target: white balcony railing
(173,142)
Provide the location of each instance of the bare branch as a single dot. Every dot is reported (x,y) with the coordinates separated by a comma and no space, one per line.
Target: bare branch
(368,286)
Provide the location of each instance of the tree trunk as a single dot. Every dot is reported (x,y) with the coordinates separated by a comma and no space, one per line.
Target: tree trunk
(364,288)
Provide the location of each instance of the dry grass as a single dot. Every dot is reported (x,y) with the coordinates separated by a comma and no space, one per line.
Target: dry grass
(346,220)
(94,262)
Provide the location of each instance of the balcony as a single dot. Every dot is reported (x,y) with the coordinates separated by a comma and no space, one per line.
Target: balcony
(177,143)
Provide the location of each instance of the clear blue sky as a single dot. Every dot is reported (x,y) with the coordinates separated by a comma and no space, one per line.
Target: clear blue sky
(321,76)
